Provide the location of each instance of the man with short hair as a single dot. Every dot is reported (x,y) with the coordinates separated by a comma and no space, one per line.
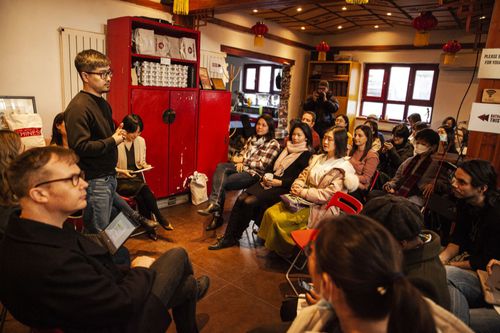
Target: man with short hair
(92,135)
(309,118)
(420,247)
(324,105)
(54,277)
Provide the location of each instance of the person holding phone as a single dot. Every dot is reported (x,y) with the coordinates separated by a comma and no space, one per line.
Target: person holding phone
(324,105)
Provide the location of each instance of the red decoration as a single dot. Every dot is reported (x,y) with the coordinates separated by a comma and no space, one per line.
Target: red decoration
(259,30)
(425,21)
(453,46)
(322,47)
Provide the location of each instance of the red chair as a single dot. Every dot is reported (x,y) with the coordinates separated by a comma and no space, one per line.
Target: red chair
(346,203)
(374,180)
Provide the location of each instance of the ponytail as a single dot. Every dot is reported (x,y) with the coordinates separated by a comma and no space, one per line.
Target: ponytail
(409,312)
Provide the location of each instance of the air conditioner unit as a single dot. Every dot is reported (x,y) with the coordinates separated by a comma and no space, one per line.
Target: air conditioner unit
(464,61)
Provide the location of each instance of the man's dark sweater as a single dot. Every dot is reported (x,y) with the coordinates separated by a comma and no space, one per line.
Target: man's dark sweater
(90,127)
(324,110)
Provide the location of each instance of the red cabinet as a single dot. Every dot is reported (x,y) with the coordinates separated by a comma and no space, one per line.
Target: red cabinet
(213,130)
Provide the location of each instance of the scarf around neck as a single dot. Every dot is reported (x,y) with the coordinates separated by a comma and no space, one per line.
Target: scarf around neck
(288,156)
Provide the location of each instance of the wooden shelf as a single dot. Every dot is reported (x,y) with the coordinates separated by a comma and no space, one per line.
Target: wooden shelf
(151,57)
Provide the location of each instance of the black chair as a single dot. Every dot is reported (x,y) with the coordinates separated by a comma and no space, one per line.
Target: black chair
(248,130)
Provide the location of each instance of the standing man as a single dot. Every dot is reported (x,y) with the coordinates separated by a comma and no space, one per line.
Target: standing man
(92,135)
(324,105)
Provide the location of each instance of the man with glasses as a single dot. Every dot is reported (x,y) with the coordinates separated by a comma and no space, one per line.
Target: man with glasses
(92,135)
(324,105)
(54,277)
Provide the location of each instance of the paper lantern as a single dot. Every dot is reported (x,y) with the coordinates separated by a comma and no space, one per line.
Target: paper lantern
(259,30)
(181,7)
(450,50)
(423,23)
(322,48)
(357,2)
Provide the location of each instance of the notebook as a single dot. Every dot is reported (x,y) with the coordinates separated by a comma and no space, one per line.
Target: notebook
(115,234)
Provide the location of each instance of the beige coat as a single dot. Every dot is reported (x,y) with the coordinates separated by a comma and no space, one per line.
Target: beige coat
(139,154)
(342,177)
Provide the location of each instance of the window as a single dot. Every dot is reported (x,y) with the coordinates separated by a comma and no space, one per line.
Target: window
(393,91)
(261,78)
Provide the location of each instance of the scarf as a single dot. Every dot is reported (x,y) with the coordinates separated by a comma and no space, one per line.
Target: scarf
(253,144)
(410,176)
(288,156)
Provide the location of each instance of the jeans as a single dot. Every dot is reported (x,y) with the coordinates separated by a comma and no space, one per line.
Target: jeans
(100,192)
(120,205)
(227,178)
(177,289)
(467,301)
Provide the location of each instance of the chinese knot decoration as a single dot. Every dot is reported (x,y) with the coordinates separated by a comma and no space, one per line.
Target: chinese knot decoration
(423,23)
(322,48)
(450,49)
(259,30)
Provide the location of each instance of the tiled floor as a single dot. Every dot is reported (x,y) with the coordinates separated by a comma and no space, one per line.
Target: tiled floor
(247,283)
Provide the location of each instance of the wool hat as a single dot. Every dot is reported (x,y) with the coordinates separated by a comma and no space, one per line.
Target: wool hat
(397,214)
(323,83)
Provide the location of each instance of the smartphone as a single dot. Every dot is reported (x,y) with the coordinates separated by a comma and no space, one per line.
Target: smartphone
(305,285)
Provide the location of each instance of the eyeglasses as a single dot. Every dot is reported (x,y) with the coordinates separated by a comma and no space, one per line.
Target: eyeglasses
(103,75)
(75,179)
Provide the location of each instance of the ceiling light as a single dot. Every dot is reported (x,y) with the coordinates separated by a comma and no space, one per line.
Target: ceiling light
(344,8)
(482,18)
(339,27)
(389,14)
(255,10)
(299,9)
(375,26)
(302,28)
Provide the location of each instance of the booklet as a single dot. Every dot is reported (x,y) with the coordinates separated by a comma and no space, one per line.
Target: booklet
(115,234)
(141,170)
(491,285)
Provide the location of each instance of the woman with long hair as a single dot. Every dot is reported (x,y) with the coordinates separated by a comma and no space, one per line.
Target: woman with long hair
(356,266)
(363,158)
(252,203)
(244,170)
(343,121)
(377,137)
(326,174)
(59,136)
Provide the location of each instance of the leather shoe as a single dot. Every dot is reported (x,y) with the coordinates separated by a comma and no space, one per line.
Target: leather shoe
(202,284)
(222,243)
(146,223)
(153,235)
(212,208)
(166,225)
(216,222)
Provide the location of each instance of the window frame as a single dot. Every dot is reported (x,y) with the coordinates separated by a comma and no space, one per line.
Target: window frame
(409,90)
(257,78)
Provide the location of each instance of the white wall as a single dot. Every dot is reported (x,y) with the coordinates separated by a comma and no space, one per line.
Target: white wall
(30,59)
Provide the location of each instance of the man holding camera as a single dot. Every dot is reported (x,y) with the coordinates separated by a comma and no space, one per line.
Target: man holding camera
(324,105)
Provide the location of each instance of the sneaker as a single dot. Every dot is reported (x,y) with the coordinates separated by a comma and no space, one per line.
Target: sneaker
(202,284)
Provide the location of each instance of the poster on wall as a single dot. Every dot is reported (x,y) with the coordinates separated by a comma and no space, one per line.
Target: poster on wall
(485,118)
(19,104)
(489,65)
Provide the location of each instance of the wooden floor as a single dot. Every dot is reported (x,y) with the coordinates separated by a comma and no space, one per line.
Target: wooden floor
(247,283)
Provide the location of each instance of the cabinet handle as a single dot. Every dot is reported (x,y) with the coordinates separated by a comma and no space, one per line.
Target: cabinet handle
(168,116)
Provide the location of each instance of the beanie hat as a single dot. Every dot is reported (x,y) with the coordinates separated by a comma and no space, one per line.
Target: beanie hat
(397,214)
(323,83)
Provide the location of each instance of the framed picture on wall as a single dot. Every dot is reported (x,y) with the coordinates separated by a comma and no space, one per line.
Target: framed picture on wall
(205,79)
(21,104)
(218,84)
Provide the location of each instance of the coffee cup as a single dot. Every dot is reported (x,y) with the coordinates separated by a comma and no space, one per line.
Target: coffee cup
(268,176)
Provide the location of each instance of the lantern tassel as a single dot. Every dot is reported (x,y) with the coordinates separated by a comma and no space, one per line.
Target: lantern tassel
(258,41)
(321,56)
(181,7)
(421,39)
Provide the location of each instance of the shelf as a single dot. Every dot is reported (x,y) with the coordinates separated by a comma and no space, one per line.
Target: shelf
(151,57)
(163,88)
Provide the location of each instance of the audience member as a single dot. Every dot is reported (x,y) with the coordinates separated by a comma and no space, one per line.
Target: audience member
(449,122)
(343,121)
(413,119)
(363,158)
(447,140)
(418,126)
(59,135)
(53,277)
(244,170)
(326,174)
(309,118)
(421,248)
(417,177)
(378,138)
(324,105)
(132,157)
(252,203)
(395,151)
(356,265)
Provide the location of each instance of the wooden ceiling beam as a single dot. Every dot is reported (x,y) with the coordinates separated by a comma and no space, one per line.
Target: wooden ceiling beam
(230,5)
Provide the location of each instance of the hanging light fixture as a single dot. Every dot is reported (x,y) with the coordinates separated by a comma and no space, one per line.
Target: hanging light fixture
(181,7)
(357,2)
(450,50)
(423,23)
(259,30)
(322,48)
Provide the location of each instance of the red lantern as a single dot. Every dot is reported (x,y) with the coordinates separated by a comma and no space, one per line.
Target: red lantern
(259,30)
(322,48)
(450,49)
(423,23)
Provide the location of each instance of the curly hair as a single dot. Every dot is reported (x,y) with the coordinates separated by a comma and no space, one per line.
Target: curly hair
(10,145)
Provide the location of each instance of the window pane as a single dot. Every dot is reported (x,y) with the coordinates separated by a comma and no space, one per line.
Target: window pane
(276,72)
(265,78)
(372,108)
(398,83)
(250,78)
(423,85)
(424,111)
(394,111)
(375,82)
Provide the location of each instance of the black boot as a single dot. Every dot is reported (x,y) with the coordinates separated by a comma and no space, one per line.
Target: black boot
(212,208)
(141,220)
(223,242)
(216,222)
(165,224)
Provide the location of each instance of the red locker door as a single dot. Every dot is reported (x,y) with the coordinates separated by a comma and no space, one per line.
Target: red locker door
(182,148)
(150,105)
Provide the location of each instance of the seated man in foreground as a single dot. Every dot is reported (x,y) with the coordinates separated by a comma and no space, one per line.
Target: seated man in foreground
(53,277)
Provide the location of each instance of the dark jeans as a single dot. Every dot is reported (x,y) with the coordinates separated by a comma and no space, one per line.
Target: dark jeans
(227,178)
(100,192)
(246,208)
(176,287)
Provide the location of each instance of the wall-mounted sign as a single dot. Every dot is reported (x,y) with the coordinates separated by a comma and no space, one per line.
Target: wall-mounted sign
(485,118)
(489,65)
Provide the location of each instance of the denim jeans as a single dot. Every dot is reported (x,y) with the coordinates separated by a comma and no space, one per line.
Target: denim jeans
(100,192)
(176,287)
(227,178)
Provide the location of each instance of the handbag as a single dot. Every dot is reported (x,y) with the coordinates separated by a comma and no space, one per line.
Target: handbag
(294,203)
(198,187)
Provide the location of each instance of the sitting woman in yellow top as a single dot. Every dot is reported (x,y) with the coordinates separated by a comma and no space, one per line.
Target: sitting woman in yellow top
(326,174)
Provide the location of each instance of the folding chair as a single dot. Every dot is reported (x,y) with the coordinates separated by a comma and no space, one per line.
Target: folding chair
(346,203)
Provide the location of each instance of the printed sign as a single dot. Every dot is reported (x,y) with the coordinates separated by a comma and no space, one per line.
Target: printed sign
(489,65)
(485,118)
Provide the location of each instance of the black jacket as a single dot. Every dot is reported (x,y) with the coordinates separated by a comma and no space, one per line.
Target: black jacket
(392,159)
(90,127)
(324,110)
(56,278)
